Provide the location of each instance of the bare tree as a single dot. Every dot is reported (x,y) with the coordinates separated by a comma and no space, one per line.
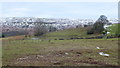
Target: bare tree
(40,29)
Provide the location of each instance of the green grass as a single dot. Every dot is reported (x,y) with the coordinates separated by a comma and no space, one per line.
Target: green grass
(115,30)
(46,52)
(69,33)
(81,52)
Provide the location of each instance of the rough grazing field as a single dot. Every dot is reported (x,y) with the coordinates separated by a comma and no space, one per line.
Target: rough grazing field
(80,52)
(69,33)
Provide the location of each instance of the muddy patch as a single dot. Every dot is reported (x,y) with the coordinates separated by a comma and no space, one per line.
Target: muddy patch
(58,58)
(92,61)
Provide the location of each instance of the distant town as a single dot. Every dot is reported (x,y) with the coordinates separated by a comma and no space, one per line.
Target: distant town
(18,23)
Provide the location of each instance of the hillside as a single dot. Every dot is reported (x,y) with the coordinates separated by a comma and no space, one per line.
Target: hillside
(114,30)
(69,33)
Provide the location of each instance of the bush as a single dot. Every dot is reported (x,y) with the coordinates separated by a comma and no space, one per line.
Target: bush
(98,26)
(90,32)
(3,35)
(39,30)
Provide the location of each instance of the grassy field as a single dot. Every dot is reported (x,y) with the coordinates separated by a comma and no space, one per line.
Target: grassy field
(79,52)
(114,30)
(69,33)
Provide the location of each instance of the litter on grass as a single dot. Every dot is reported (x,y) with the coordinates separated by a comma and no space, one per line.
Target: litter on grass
(22,58)
(103,54)
(66,53)
(98,47)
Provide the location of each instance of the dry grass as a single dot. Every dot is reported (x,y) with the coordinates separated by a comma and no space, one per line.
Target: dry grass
(13,38)
(80,52)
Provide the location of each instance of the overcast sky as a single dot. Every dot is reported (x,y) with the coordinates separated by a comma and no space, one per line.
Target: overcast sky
(82,10)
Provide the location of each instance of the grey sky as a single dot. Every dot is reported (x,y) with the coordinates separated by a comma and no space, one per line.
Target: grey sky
(91,10)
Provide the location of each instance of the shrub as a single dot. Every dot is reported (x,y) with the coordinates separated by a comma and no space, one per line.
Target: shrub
(3,35)
(39,30)
(98,26)
(90,32)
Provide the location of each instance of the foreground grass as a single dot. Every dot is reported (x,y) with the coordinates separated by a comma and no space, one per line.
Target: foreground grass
(80,52)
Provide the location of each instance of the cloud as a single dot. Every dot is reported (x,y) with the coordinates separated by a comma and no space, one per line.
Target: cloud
(15,12)
(60,10)
(19,9)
